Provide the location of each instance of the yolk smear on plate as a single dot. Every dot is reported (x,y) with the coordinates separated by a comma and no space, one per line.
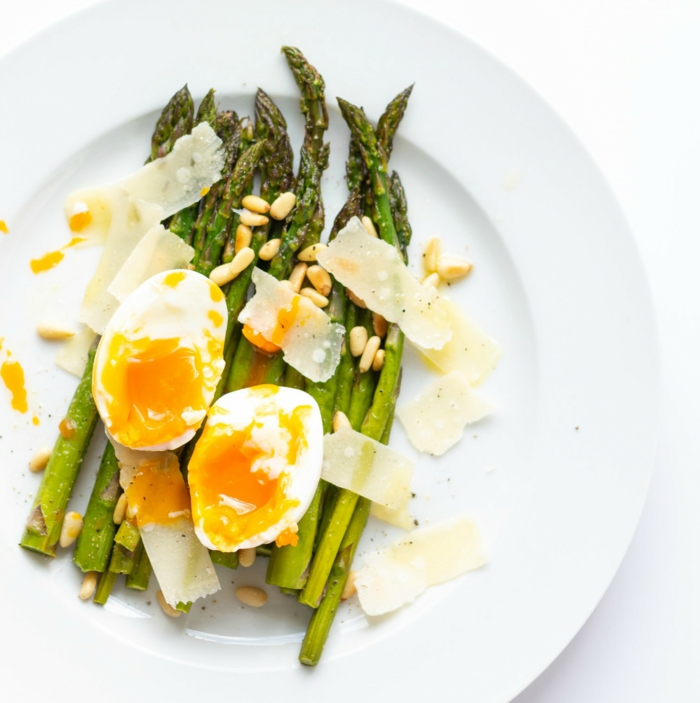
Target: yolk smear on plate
(157,492)
(36,421)
(53,258)
(12,374)
(3,227)
(232,501)
(150,383)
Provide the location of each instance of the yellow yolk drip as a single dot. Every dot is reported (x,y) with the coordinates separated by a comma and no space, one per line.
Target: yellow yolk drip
(173,278)
(216,318)
(149,383)
(217,295)
(52,258)
(230,502)
(287,537)
(12,374)
(286,317)
(157,493)
(257,340)
(3,227)
(204,191)
(80,221)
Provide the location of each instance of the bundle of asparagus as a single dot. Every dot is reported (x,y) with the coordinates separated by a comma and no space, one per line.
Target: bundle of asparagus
(226,248)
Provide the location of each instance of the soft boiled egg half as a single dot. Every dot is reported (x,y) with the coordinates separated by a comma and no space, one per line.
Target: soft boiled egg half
(255,468)
(159,361)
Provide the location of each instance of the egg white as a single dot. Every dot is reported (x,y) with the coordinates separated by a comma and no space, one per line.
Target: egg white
(237,410)
(160,311)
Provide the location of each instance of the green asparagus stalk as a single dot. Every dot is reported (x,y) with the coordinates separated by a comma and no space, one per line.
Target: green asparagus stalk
(43,527)
(322,618)
(123,560)
(104,587)
(128,536)
(141,573)
(94,545)
(227,559)
(176,120)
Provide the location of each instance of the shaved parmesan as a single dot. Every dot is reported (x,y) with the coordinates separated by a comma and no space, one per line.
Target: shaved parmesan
(310,341)
(435,420)
(72,356)
(159,250)
(399,517)
(358,463)
(176,181)
(470,350)
(426,557)
(374,271)
(181,563)
(130,221)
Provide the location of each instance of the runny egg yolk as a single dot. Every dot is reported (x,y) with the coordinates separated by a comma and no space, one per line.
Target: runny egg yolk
(149,384)
(234,497)
(157,493)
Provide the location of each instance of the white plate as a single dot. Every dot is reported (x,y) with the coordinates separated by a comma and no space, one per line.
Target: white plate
(557,477)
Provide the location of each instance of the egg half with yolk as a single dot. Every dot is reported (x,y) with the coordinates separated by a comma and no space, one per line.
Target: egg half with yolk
(159,361)
(255,468)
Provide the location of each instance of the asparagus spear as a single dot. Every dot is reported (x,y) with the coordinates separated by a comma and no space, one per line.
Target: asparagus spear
(175,120)
(141,573)
(92,550)
(43,527)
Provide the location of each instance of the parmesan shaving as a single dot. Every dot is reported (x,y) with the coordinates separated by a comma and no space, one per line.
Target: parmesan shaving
(99,202)
(159,250)
(175,181)
(435,420)
(310,341)
(72,356)
(358,463)
(181,563)
(375,272)
(399,517)
(470,350)
(130,221)
(427,557)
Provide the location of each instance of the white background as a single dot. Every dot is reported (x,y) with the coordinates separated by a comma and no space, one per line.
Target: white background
(625,75)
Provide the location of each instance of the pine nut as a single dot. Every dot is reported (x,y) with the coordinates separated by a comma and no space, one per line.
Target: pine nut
(89,585)
(358,340)
(451,267)
(244,236)
(349,589)
(373,344)
(283,205)
(369,226)
(166,607)
(320,301)
(250,595)
(253,219)
(358,301)
(379,325)
(191,267)
(71,528)
(320,279)
(131,511)
(255,204)
(269,249)
(378,360)
(39,460)
(340,420)
(431,254)
(225,273)
(297,276)
(120,510)
(310,253)
(246,557)
(432,280)
(50,330)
